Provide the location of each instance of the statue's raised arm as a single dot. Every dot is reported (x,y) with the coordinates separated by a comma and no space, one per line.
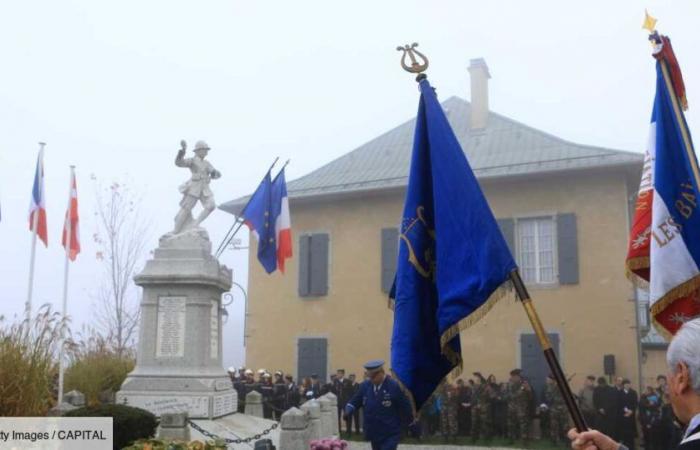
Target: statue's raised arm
(196,189)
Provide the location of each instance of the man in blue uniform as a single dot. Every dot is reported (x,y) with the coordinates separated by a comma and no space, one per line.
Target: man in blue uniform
(384,407)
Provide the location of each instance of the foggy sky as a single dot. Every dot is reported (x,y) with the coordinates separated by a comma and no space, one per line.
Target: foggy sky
(113,86)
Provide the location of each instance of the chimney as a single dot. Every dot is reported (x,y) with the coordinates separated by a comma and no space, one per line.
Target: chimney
(479,74)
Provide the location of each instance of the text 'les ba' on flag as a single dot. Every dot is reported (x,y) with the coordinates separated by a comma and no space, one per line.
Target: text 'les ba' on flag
(37,205)
(453,259)
(267,216)
(664,247)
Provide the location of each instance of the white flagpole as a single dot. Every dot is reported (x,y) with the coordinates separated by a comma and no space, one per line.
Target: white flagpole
(35,224)
(69,235)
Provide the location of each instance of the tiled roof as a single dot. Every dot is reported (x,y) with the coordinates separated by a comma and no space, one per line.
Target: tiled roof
(504,148)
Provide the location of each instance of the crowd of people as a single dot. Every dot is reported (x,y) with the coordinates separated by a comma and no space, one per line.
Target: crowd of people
(484,408)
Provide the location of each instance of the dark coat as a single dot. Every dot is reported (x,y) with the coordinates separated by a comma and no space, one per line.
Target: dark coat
(692,442)
(605,402)
(628,424)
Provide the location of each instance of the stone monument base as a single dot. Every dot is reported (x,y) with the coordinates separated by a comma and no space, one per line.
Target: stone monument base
(198,405)
(178,365)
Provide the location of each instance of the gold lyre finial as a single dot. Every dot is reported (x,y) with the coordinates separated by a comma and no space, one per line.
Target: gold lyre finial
(409,51)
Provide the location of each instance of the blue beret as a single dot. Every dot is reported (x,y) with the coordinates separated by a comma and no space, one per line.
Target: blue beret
(374,364)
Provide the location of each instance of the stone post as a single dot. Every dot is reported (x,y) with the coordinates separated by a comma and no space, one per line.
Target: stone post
(75,398)
(174,426)
(313,409)
(327,417)
(253,404)
(334,407)
(294,433)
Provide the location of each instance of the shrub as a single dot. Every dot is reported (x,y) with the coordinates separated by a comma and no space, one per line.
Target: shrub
(167,444)
(129,423)
(96,367)
(27,369)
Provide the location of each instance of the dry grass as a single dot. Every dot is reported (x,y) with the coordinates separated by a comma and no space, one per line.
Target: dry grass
(96,366)
(27,363)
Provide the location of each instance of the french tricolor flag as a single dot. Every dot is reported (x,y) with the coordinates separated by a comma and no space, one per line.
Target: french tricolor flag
(37,206)
(283,223)
(664,247)
(267,216)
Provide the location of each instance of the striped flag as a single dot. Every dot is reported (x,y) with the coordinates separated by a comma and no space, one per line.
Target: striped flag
(71,225)
(664,247)
(283,224)
(37,205)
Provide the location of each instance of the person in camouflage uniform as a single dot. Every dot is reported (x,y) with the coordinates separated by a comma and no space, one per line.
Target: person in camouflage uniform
(519,397)
(448,412)
(558,416)
(481,411)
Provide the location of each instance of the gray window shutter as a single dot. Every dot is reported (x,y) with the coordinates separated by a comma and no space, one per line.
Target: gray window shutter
(567,248)
(304,273)
(319,264)
(390,252)
(507,227)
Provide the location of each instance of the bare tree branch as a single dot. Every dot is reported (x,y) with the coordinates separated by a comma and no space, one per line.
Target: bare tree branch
(123,230)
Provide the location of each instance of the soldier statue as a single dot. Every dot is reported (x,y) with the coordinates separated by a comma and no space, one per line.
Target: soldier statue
(196,189)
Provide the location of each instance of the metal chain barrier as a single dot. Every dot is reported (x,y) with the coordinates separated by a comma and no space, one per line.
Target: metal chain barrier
(233,441)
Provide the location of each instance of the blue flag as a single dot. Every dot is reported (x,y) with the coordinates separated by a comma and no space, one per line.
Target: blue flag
(258,216)
(452,256)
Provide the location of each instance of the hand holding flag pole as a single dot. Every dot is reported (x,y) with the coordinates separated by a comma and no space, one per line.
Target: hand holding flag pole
(434,145)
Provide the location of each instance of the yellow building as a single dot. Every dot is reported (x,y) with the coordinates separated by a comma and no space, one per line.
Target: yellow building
(563,207)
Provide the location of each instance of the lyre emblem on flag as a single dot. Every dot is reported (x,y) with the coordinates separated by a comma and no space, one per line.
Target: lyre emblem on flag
(414,235)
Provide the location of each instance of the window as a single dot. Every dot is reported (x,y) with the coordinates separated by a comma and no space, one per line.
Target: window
(537,250)
(389,256)
(313,265)
(643,310)
(542,244)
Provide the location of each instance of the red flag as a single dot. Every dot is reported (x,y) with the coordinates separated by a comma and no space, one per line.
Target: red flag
(71,223)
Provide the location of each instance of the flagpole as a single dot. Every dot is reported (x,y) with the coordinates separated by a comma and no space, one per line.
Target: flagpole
(549,354)
(418,65)
(69,236)
(229,236)
(681,123)
(35,224)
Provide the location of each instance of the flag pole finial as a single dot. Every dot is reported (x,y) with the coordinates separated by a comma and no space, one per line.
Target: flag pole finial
(409,51)
(649,22)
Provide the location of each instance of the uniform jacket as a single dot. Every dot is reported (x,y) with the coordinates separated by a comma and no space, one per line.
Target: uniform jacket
(198,184)
(585,399)
(383,408)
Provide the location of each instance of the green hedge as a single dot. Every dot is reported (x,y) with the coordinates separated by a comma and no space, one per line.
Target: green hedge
(129,423)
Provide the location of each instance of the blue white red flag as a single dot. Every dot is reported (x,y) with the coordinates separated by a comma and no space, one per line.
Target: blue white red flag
(267,216)
(37,206)
(283,222)
(664,248)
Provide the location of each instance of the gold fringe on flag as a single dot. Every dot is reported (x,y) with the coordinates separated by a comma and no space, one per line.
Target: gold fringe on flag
(452,356)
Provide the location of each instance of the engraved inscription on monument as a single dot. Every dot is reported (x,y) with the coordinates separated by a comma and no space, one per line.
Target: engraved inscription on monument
(214,327)
(196,406)
(224,404)
(170,334)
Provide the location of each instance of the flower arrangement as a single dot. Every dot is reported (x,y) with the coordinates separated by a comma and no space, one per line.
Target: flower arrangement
(329,444)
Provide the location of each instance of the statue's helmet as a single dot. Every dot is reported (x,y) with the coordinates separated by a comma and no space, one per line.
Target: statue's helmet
(200,145)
